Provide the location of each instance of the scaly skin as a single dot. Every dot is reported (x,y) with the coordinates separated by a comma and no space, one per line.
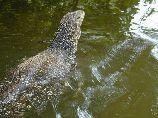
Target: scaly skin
(40,79)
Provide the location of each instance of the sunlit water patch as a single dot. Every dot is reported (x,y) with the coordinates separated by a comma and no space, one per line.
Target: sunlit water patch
(145,23)
(145,26)
(154,52)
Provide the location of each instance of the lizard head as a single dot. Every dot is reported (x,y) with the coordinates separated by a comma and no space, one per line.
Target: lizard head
(69,31)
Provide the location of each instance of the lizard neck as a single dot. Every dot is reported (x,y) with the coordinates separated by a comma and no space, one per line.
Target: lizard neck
(66,45)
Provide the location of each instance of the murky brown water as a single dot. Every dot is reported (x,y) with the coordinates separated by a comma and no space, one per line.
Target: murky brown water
(117,54)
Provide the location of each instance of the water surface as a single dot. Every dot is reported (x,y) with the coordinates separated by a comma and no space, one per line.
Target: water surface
(117,54)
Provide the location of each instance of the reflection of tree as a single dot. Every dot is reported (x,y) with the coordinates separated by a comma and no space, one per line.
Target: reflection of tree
(11,9)
(32,6)
(112,17)
(41,15)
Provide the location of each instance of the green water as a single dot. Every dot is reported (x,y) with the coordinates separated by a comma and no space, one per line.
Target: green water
(117,53)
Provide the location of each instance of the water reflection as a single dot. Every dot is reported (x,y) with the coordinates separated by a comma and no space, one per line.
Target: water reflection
(145,23)
(121,58)
(115,67)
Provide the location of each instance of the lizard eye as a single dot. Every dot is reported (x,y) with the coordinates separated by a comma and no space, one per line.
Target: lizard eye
(78,17)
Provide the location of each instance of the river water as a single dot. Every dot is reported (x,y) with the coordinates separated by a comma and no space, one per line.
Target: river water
(117,57)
